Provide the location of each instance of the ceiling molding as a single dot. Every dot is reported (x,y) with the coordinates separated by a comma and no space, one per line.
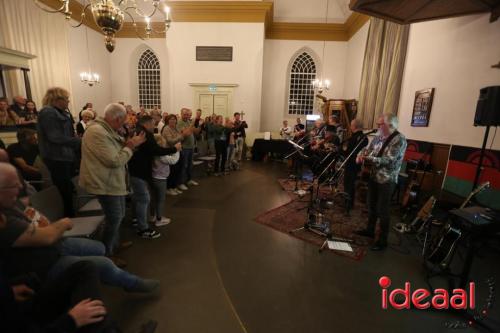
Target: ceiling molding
(233,11)
(355,22)
(307,31)
(220,11)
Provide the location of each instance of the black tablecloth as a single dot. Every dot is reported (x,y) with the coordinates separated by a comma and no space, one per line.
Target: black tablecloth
(262,147)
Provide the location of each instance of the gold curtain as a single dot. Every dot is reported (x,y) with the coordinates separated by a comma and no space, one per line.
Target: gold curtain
(26,28)
(382,70)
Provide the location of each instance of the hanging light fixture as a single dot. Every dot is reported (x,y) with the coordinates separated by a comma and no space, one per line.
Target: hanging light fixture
(89,77)
(109,16)
(322,84)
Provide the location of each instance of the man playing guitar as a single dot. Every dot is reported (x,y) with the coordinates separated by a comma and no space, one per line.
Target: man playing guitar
(385,155)
(299,130)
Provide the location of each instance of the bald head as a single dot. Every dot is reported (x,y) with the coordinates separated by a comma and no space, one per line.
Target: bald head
(4,156)
(7,171)
(9,185)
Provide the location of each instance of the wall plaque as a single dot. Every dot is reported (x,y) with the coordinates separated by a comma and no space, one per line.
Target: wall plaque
(214,53)
(422,108)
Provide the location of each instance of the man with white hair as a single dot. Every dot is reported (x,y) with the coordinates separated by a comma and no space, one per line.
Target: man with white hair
(103,173)
(186,127)
(385,155)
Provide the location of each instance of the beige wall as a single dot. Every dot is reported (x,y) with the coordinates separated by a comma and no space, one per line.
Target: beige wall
(455,57)
(355,56)
(99,95)
(247,40)
(124,61)
(278,55)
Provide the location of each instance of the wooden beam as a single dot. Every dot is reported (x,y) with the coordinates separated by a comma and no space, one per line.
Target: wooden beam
(308,31)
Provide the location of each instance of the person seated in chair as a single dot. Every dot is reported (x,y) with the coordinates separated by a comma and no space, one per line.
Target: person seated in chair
(23,155)
(31,243)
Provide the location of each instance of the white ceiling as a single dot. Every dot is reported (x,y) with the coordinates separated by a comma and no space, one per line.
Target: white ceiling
(311,11)
(299,11)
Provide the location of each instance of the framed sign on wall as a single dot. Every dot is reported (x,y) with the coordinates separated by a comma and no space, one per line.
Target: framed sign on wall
(422,107)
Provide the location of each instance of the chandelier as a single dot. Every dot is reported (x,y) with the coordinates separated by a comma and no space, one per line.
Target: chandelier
(322,84)
(109,16)
(89,78)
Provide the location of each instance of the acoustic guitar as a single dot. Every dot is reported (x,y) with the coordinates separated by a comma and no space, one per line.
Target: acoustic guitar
(444,247)
(418,223)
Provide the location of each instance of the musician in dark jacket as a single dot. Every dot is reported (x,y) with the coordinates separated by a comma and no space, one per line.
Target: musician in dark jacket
(385,154)
(140,169)
(356,142)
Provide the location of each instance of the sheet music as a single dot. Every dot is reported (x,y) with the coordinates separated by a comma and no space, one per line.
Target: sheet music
(339,246)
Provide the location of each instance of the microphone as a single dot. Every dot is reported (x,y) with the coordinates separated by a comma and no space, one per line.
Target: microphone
(371,132)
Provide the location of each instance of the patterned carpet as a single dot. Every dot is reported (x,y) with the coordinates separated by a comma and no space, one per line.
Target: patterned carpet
(293,215)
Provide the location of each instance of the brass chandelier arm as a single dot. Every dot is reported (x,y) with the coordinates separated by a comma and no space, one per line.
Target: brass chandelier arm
(140,12)
(52,11)
(82,18)
(134,24)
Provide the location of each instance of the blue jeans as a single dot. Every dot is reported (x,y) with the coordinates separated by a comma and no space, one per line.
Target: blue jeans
(114,210)
(140,200)
(160,190)
(80,249)
(186,160)
(230,153)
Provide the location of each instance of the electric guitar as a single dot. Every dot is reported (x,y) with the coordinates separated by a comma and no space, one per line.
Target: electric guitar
(418,223)
(445,244)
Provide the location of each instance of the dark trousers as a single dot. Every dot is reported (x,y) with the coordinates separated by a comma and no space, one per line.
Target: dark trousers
(350,176)
(175,174)
(379,204)
(220,155)
(61,174)
(77,283)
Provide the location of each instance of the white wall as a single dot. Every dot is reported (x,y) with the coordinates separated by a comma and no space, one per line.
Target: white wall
(277,57)
(124,60)
(100,94)
(355,56)
(247,40)
(455,57)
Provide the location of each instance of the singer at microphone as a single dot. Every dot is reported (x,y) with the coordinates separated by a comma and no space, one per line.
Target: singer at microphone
(355,143)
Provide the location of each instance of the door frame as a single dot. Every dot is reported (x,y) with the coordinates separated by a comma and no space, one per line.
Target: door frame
(221,89)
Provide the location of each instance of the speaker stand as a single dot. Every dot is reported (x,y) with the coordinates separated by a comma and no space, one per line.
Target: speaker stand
(481,157)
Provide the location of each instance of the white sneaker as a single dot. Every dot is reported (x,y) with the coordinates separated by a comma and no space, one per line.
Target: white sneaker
(162,222)
(182,187)
(172,191)
(177,191)
(192,182)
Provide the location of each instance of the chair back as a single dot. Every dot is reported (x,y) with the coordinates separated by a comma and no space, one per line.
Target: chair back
(49,203)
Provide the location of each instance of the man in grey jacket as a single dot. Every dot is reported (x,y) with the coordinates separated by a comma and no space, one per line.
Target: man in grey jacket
(103,168)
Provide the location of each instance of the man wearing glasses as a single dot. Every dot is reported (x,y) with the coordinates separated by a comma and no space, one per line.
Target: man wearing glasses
(384,155)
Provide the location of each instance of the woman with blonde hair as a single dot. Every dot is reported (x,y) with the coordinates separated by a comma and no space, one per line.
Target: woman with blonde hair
(58,143)
(7,117)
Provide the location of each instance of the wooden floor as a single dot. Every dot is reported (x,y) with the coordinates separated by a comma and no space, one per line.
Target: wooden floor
(223,273)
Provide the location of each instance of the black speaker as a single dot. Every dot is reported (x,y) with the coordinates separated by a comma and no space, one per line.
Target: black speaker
(488,107)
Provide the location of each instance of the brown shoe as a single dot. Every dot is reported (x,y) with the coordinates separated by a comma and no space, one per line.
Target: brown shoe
(120,263)
(125,245)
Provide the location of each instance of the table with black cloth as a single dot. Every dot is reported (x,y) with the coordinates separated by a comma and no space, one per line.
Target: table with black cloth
(262,147)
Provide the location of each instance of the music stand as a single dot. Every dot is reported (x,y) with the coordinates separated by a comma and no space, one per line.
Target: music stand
(315,222)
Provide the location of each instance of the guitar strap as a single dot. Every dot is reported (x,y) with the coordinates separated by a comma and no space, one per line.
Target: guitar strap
(386,143)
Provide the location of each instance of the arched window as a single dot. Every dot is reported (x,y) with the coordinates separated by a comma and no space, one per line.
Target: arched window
(301,91)
(148,70)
